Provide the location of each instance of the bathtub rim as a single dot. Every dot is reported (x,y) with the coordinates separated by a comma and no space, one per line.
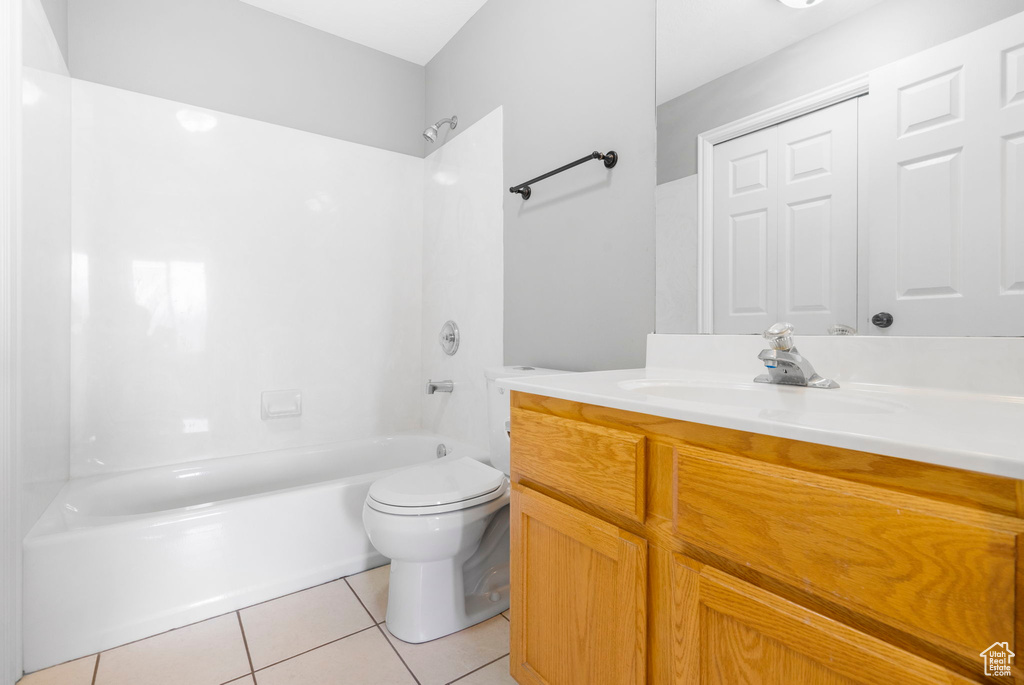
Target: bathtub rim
(52,526)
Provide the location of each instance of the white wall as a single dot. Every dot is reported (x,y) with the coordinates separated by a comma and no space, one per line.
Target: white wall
(45,254)
(676,240)
(216,257)
(232,57)
(880,35)
(463,275)
(572,77)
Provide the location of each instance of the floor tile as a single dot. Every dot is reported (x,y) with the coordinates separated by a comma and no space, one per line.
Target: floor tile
(492,674)
(207,653)
(364,658)
(77,672)
(453,656)
(372,588)
(290,625)
(247,680)
(506,615)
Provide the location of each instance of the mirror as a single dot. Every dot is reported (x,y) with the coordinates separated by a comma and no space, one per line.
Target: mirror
(841,164)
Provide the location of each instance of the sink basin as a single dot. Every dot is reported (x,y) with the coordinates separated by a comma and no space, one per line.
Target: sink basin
(773,398)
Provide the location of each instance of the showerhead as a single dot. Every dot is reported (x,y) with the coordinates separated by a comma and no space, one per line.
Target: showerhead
(430,133)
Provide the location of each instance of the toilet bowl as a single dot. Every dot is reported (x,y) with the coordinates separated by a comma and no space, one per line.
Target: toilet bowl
(445,527)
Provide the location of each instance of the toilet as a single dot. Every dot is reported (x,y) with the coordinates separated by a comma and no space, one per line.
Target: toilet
(445,527)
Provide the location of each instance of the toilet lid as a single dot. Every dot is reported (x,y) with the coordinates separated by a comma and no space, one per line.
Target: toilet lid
(438,483)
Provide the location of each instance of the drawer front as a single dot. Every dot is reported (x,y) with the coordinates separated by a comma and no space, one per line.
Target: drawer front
(599,465)
(728,631)
(914,563)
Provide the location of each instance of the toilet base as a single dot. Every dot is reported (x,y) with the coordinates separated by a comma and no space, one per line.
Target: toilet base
(428,600)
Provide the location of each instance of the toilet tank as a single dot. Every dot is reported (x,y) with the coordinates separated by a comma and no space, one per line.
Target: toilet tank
(499,410)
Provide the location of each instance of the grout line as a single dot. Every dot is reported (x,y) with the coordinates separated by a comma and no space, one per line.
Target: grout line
(480,668)
(360,600)
(502,614)
(237,612)
(395,650)
(252,671)
(378,626)
(240,679)
(312,649)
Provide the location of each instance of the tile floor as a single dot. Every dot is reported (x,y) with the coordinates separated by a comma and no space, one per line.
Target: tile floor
(327,635)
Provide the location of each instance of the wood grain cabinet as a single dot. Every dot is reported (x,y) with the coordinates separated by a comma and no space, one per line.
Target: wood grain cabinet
(580,606)
(646,550)
(729,632)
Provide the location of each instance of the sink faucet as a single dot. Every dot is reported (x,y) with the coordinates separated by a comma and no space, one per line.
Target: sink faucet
(784,363)
(439,386)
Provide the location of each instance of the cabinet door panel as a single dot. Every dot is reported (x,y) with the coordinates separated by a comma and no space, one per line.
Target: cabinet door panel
(732,632)
(579,588)
(910,562)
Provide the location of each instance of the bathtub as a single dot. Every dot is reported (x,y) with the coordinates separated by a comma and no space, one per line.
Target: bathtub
(119,557)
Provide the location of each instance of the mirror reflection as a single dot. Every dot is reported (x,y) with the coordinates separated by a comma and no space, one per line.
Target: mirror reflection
(844,165)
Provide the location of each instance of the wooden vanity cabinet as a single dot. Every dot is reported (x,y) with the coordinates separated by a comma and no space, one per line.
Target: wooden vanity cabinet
(647,550)
(580,597)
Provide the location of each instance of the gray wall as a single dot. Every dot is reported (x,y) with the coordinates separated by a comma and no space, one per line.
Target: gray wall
(231,57)
(573,76)
(885,33)
(57,14)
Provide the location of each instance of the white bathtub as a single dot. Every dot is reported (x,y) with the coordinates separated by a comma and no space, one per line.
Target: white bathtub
(119,557)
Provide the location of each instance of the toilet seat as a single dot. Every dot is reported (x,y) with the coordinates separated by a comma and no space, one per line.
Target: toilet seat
(437,487)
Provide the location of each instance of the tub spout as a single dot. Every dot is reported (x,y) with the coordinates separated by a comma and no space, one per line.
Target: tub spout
(439,386)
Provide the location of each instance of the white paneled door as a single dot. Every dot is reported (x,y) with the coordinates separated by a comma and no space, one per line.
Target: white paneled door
(745,237)
(818,219)
(785,225)
(944,144)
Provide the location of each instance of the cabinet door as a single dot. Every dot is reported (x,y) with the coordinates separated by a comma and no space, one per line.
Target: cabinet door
(727,631)
(579,588)
(944,143)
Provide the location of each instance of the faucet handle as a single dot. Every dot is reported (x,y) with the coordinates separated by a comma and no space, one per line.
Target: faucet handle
(780,336)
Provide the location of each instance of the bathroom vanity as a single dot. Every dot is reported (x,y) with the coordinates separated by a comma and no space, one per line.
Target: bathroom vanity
(648,547)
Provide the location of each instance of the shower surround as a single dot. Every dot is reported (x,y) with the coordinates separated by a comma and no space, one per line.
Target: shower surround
(215,257)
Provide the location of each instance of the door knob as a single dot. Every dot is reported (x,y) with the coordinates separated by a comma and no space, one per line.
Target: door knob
(882,319)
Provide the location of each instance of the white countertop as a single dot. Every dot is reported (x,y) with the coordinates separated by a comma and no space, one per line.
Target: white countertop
(968,430)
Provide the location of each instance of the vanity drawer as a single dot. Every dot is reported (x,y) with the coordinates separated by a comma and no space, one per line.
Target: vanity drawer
(940,571)
(597,464)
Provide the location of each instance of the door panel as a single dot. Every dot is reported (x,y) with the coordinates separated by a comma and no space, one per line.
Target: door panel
(942,136)
(930,226)
(785,217)
(579,589)
(1013,216)
(745,215)
(818,219)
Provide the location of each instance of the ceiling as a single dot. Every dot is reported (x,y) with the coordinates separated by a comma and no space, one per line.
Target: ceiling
(700,40)
(414,30)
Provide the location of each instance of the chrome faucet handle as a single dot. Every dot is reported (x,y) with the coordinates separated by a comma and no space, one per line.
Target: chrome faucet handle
(780,336)
(785,364)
